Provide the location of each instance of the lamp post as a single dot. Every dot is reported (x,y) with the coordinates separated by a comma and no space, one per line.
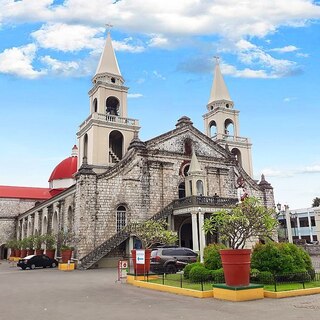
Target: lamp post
(286,214)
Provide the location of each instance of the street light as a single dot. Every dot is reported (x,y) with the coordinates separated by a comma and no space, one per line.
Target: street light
(286,214)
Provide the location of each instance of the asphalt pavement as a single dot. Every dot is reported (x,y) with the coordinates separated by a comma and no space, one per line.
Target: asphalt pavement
(47,294)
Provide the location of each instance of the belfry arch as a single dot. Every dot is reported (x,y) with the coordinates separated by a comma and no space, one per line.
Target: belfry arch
(112,106)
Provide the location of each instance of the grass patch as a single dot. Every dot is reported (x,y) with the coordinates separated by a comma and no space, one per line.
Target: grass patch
(174,280)
(292,286)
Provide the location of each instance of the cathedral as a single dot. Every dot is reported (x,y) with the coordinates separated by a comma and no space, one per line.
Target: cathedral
(112,178)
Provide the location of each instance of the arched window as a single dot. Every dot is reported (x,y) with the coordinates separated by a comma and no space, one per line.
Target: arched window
(30,231)
(199,188)
(95,105)
(44,225)
(70,219)
(182,190)
(115,146)
(237,153)
(112,106)
(55,222)
(85,146)
(121,218)
(213,128)
(228,127)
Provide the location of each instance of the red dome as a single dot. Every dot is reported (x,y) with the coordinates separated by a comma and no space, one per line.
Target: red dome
(65,169)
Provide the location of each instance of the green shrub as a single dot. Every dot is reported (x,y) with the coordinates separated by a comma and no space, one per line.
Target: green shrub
(211,256)
(217,276)
(188,267)
(199,273)
(280,258)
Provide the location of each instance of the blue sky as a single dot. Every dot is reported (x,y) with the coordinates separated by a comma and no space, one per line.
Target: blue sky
(270,58)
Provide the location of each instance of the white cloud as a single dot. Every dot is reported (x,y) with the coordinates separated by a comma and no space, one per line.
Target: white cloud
(232,19)
(157,75)
(285,49)
(63,68)
(135,95)
(18,61)
(289,99)
(126,46)
(302,55)
(158,41)
(65,37)
(271,172)
(310,169)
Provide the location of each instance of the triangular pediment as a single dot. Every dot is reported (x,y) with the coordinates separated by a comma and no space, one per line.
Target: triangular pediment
(174,142)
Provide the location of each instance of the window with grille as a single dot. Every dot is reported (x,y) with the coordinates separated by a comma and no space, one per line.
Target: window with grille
(121,217)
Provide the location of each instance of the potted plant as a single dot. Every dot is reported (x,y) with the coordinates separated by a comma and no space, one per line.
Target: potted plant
(247,220)
(23,246)
(12,245)
(18,248)
(30,245)
(38,241)
(50,241)
(150,233)
(67,240)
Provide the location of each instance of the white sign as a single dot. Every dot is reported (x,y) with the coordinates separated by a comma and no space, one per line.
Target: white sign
(140,256)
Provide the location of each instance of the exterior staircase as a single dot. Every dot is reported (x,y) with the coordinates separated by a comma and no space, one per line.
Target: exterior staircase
(103,249)
(114,157)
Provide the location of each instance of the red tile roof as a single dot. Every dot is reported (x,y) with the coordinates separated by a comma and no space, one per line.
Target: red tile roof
(24,193)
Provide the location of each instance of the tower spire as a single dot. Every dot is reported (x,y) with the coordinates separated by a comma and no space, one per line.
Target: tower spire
(108,62)
(219,90)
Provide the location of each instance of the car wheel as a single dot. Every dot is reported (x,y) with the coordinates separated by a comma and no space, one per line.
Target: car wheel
(24,268)
(33,266)
(171,268)
(53,265)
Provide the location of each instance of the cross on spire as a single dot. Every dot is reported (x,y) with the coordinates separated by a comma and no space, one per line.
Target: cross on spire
(217,58)
(108,27)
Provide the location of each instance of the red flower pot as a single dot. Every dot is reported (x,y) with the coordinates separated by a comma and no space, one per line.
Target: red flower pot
(50,253)
(140,269)
(23,253)
(236,266)
(13,253)
(30,251)
(66,255)
(18,253)
(39,251)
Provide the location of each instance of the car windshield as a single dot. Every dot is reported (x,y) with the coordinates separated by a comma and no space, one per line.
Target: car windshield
(29,257)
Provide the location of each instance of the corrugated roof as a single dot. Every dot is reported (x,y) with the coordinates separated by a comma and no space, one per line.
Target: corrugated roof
(24,193)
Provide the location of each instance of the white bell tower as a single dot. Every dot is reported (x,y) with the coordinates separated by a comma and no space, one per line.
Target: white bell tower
(221,122)
(105,135)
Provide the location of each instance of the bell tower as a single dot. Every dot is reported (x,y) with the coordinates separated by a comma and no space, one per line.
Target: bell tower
(105,135)
(221,122)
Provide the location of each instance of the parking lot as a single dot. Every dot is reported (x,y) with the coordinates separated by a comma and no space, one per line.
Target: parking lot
(95,294)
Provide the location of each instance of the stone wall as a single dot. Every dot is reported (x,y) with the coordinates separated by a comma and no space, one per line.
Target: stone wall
(7,229)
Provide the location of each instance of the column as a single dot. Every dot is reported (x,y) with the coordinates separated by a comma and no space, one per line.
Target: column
(310,226)
(298,227)
(201,234)
(288,222)
(195,239)
(171,222)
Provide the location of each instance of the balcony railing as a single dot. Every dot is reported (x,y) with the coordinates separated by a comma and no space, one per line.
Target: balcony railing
(215,201)
(229,138)
(110,118)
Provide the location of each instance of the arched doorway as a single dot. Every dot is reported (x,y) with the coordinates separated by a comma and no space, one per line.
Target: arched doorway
(115,146)
(186,235)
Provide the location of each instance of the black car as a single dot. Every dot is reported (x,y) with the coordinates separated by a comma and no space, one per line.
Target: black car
(37,261)
(171,259)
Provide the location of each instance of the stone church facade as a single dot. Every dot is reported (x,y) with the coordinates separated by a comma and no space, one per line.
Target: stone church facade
(182,175)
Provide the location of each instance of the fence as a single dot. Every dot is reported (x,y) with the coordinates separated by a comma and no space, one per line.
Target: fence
(265,278)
